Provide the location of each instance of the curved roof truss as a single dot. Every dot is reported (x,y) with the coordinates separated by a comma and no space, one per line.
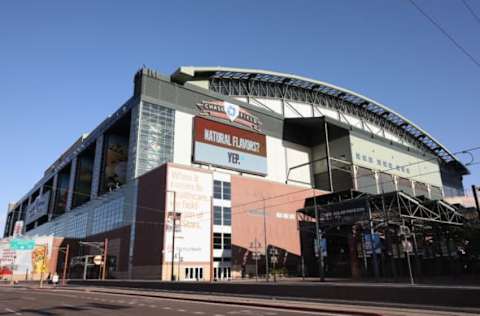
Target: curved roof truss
(252,82)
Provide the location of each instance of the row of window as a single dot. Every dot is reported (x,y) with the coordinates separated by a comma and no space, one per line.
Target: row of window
(222,190)
(383,163)
(193,273)
(222,241)
(222,273)
(222,216)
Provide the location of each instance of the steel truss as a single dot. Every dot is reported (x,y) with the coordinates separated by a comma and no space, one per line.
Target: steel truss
(398,205)
(314,93)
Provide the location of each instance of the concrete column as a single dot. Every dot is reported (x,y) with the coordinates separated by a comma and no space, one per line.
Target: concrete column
(97,165)
(71,184)
(53,196)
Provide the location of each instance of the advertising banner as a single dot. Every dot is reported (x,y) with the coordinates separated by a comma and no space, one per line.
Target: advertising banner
(189,196)
(21,260)
(229,147)
(37,208)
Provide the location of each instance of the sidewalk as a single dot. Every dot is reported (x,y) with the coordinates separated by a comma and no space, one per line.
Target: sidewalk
(344,308)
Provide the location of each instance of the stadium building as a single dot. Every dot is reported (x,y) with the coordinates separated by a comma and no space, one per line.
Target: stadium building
(200,174)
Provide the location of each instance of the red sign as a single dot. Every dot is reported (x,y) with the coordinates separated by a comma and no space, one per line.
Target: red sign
(222,135)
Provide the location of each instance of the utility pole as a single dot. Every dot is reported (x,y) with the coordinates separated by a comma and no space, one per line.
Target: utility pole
(376,271)
(65,263)
(265,240)
(319,237)
(475,196)
(407,253)
(105,258)
(174,218)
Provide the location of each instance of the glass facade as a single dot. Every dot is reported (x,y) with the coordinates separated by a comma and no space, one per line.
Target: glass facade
(385,182)
(83,177)
(77,226)
(156,135)
(108,216)
(62,191)
(366,181)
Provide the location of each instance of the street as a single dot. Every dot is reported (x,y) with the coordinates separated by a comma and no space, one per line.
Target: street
(23,301)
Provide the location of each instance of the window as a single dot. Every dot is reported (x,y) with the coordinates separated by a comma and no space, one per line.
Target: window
(358,156)
(217,259)
(217,189)
(227,241)
(370,159)
(385,164)
(226,191)
(217,215)
(217,241)
(222,190)
(390,165)
(227,216)
(379,162)
(364,158)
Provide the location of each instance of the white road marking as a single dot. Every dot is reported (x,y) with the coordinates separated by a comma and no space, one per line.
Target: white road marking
(152,306)
(199,313)
(167,308)
(181,310)
(28,298)
(12,311)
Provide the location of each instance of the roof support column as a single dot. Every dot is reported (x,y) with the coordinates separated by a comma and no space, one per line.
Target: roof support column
(327,151)
(97,165)
(71,184)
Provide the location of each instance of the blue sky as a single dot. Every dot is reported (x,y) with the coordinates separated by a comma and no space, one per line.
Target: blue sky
(65,65)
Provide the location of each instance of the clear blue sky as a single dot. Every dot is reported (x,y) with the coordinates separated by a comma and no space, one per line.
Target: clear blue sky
(66,65)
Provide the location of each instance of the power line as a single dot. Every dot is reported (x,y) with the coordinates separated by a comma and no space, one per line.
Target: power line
(445,33)
(469,8)
(242,205)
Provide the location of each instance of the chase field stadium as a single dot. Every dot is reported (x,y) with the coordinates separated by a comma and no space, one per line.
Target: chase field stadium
(216,173)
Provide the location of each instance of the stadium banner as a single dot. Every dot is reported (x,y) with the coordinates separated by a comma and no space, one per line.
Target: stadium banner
(189,202)
(37,208)
(229,147)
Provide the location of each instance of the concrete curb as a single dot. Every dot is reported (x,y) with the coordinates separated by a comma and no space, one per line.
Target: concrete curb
(226,302)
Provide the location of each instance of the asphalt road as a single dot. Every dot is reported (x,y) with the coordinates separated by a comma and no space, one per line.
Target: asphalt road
(23,301)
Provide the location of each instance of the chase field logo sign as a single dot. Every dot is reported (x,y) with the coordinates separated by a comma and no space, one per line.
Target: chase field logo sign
(229,112)
(232,110)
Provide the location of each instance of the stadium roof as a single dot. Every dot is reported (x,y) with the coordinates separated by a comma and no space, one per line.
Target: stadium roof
(184,74)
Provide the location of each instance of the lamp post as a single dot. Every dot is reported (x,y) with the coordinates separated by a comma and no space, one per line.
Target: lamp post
(174,222)
(265,240)
(319,237)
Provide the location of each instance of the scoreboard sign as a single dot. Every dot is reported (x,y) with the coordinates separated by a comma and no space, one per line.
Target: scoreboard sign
(229,147)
